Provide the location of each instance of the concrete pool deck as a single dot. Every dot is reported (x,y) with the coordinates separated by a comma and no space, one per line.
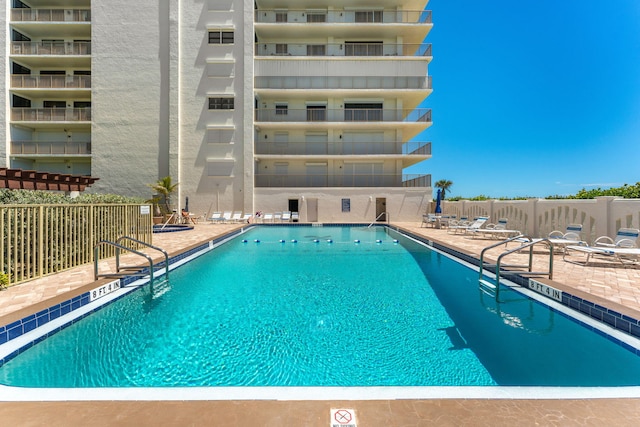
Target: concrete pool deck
(609,283)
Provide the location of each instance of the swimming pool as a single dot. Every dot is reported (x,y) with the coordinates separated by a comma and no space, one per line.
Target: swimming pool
(324,310)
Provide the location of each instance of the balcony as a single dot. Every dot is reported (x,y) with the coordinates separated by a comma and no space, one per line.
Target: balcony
(343,148)
(31,81)
(292,16)
(343,49)
(50,148)
(51,114)
(51,48)
(419,115)
(318,181)
(343,82)
(50,15)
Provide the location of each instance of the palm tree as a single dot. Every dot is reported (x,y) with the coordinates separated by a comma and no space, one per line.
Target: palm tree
(165,187)
(443,185)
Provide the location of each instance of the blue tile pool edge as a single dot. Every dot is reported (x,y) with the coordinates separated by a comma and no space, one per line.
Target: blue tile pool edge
(592,310)
(598,312)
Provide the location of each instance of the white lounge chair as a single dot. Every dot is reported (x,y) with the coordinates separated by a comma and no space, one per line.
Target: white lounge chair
(475,225)
(295,216)
(236,217)
(497,231)
(268,217)
(216,217)
(277,216)
(571,237)
(245,218)
(286,216)
(428,220)
(625,238)
(226,216)
(623,247)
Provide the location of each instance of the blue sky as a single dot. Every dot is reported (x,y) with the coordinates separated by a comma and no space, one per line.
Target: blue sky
(534,98)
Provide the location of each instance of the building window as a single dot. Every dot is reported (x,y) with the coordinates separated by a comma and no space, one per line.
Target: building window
(369,16)
(316,113)
(282,49)
(282,109)
(281,17)
(316,50)
(363,48)
(221,103)
(316,17)
(362,112)
(221,37)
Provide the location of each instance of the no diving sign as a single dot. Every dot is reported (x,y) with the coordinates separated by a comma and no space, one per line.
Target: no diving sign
(343,418)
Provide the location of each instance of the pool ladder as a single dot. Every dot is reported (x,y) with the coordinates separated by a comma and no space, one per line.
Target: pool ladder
(386,218)
(123,270)
(520,270)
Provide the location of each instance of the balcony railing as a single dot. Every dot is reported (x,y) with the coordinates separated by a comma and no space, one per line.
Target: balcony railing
(364,180)
(50,114)
(50,148)
(341,147)
(343,49)
(54,82)
(51,48)
(50,15)
(291,16)
(343,115)
(342,82)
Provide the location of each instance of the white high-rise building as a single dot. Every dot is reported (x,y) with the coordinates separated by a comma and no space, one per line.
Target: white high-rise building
(288,105)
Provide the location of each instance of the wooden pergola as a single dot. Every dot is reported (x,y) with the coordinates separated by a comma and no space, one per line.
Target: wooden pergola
(19,179)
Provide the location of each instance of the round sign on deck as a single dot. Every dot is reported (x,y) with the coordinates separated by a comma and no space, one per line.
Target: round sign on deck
(343,418)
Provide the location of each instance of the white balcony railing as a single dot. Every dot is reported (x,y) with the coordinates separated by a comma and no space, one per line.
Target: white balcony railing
(360,180)
(291,16)
(50,15)
(341,147)
(50,114)
(47,82)
(50,148)
(343,49)
(51,48)
(342,82)
(343,115)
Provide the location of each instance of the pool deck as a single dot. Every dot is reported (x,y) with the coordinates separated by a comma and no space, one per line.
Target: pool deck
(608,283)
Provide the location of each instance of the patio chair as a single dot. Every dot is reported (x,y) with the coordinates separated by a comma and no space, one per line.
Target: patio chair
(236,217)
(268,217)
(623,248)
(245,218)
(216,217)
(295,216)
(226,216)
(277,216)
(497,231)
(428,220)
(625,238)
(286,216)
(571,237)
(475,225)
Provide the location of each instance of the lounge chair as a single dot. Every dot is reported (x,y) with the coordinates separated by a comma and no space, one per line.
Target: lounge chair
(236,217)
(475,225)
(623,247)
(216,217)
(571,237)
(286,216)
(277,216)
(295,216)
(268,217)
(497,231)
(245,218)
(226,216)
(625,238)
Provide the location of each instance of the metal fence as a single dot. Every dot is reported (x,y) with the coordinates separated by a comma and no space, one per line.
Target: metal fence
(37,240)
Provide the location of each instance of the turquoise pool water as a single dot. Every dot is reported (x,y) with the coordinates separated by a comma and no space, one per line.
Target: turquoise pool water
(326,313)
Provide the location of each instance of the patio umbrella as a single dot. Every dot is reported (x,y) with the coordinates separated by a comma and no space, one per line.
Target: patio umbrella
(438,197)
(186,203)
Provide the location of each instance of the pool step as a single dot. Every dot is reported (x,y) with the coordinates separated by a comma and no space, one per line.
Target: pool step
(487,287)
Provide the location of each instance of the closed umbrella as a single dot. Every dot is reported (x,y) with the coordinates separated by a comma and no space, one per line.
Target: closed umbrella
(186,203)
(438,197)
